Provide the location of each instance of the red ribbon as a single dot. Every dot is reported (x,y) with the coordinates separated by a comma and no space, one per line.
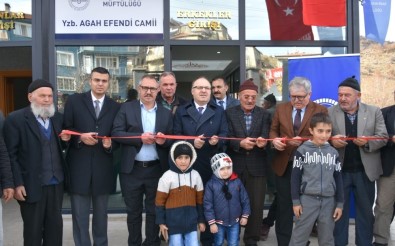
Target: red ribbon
(181,137)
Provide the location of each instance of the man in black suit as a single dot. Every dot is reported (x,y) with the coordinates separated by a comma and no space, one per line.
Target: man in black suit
(252,124)
(220,94)
(6,180)
(143,159)
(384,208)
(90,158)
(37,163)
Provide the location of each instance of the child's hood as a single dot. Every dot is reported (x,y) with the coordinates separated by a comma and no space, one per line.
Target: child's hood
(172,161)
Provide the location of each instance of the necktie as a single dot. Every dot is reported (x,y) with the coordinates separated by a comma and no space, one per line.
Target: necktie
(97,108)
(200,109)
(297,121)
(221,103)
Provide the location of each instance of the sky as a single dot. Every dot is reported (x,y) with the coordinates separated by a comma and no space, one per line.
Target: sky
(24,6)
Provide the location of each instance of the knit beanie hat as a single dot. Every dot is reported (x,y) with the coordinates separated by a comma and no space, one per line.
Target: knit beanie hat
(271,98)
(248,85)
(38,83)
(182,149)
(351,82)
(219,161)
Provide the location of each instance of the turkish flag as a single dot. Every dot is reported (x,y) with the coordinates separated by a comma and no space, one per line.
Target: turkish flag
(286,20)
(324,12)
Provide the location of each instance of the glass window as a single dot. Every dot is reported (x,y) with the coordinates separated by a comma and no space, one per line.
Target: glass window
(65,59)
(258,25)
(66,84)
(377,52)
(16,20)
(265,64)
(126,65)
(204,20)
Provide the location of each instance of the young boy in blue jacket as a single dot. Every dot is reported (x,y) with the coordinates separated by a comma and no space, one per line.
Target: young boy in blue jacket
(316,185)
(226,203)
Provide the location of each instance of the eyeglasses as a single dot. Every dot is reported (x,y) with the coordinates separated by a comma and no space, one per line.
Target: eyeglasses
(201,87)
(225,189)
(147,88)
(299,98)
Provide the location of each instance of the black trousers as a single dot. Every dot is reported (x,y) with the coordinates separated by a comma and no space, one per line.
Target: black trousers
(42,220)
(284,212)
(141,182)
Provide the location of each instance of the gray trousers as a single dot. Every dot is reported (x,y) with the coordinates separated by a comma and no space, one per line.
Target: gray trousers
(80,208)
(314,209)
(384,208)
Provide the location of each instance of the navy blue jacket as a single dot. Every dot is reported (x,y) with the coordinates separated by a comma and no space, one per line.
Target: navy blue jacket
(217,209)
(188,121)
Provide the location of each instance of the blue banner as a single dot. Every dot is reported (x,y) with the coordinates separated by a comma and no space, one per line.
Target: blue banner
(325,74)
(377,17)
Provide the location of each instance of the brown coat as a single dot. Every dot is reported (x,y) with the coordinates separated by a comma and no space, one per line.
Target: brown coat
(282,126)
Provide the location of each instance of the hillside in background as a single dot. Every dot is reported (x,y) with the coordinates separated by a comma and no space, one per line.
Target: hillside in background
(377,72)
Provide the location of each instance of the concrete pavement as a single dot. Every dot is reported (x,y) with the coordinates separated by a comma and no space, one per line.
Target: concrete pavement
(117,230)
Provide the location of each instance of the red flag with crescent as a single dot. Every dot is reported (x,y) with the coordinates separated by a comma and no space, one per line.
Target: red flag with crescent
(324,12)
(286,20)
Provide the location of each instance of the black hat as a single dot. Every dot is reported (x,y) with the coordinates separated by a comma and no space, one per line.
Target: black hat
(182,149)
(271,98)
(351,82)
(38,83)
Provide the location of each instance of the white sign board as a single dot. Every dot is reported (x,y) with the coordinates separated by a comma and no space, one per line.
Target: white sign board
(109,17)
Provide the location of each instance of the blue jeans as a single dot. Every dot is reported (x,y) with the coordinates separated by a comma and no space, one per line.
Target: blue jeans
(232,235)
(187,239)
(363,190)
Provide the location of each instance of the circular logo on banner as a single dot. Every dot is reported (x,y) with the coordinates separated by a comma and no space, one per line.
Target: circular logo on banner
(79,4)
(327,102)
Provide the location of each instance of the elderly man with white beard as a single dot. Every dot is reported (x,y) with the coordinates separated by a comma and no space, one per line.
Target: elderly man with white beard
(35,149)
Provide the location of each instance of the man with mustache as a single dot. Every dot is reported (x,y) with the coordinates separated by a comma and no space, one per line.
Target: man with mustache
(251,124)
(143,160)
(37,163)
(90,159)
(360,158)
(205,119)
(220,93)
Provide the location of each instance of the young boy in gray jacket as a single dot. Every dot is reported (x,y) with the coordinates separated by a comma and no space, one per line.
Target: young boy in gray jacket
(316,185)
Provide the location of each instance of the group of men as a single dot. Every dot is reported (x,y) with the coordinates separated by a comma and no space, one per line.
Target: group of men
(43,164)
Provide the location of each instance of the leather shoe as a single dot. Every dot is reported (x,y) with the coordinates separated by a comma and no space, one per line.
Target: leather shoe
(264,232)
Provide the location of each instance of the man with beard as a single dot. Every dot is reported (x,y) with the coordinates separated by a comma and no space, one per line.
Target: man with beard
(37,163)
(90,159)
(205,119)
(220,94)
(167,96)
(143,160)
(251,124)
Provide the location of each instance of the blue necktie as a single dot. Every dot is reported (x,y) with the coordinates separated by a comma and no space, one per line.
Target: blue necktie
(200,109)
(221,103)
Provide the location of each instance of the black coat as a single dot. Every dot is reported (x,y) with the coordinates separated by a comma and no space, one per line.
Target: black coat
(91,167)
(128,123)
(6,179)
(388,151)
(22,137)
